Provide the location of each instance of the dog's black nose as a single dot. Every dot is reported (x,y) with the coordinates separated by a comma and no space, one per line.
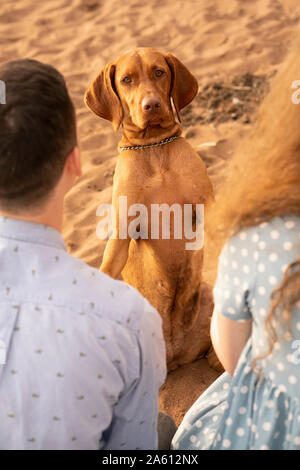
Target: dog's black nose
(151,104)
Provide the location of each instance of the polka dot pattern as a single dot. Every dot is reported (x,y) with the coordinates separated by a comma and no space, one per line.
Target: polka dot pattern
(265,417)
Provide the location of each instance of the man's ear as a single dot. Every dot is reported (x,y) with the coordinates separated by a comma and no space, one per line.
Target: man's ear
(184,85)
(102,97)
(73,162)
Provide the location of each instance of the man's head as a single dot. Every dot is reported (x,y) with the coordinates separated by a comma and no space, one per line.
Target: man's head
(37,133)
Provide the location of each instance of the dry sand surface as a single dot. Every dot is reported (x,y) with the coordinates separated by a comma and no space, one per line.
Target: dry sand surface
(219,40)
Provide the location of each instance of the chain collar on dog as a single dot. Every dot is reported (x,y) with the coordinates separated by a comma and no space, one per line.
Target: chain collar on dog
(162,142)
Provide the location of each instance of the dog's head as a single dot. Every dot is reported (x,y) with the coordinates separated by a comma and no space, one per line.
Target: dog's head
(138,89)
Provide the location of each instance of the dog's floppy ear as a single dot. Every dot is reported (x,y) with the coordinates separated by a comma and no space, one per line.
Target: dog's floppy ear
(184,85)
(102,97)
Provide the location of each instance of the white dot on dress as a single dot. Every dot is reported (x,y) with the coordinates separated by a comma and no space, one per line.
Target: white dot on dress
(243,235)
(272,280)
(290,358)
(246,269)
(261,268)
(242,410)
(231,310)
(240,432)
(228,421)
(226,443)
(273,257)
(262,312)
(274,234)
(289,224)
(292,379)
(287,246)
(267,426)
(261,290)
(187,426)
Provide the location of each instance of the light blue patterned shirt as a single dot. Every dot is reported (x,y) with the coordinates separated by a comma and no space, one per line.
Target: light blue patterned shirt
(83,355)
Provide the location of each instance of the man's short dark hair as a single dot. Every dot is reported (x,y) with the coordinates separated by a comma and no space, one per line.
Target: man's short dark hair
(37,133)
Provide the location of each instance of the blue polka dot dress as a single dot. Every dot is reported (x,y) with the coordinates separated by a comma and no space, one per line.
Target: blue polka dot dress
(241,412)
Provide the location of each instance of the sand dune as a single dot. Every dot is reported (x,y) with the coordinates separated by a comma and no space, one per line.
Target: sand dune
(216,39)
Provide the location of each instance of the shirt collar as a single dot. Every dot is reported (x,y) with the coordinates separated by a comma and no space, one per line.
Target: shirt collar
(31,232)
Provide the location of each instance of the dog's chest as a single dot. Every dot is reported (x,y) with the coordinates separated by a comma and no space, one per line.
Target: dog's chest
(168,186)
(161,187)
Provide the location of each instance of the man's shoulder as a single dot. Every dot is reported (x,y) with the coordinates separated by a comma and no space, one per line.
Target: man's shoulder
(99,294)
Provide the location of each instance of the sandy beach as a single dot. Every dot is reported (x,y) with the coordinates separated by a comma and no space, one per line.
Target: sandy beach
(233,47)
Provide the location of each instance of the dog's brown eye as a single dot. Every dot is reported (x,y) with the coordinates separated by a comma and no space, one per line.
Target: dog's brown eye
(126,80)
(159,73)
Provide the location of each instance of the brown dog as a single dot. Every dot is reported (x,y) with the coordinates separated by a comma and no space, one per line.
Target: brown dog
(137,91)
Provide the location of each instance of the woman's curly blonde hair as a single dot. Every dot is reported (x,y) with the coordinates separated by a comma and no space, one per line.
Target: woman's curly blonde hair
(263,181)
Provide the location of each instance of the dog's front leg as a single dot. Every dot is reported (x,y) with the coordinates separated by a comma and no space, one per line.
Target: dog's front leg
(115,257)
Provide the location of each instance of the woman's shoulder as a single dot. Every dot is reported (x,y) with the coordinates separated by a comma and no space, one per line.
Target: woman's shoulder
(283,231)
(277,239)
(286,227)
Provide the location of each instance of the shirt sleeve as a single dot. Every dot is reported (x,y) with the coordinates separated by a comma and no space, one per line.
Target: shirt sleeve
(134,423)
(236,274)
